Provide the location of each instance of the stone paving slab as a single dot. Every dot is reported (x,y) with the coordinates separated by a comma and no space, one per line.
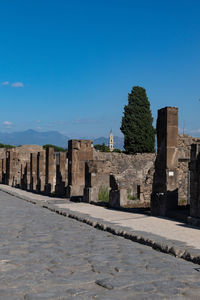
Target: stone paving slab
(163,234)
(44,255)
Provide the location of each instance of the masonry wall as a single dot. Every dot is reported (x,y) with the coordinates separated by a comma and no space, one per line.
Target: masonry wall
(32,168)
(131,173)
(184,149)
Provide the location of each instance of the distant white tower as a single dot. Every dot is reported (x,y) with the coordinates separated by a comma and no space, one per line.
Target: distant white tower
(111,141)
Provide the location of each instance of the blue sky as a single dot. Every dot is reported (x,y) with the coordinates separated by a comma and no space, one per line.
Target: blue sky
(69,65)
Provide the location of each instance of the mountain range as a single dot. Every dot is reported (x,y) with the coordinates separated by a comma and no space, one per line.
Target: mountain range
(33,137)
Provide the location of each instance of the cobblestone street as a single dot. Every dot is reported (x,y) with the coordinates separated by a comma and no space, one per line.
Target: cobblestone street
(44,255)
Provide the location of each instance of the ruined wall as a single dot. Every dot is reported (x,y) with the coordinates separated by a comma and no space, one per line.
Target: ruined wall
(195,181)
(184,149)
(32,168)
(97,181)
(135,172)
(131,173)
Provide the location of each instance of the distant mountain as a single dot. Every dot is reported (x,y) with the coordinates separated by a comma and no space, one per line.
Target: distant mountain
(32,137)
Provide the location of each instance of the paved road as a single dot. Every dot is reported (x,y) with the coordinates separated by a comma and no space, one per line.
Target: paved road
(44,255)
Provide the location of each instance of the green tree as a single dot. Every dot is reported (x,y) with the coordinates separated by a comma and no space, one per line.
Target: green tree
(117,150)
(139,134)
(56,148)
(102,147)
(7,146)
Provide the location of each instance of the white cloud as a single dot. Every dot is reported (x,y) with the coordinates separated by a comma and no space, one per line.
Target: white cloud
(5,83)
(17,84)
(7,123)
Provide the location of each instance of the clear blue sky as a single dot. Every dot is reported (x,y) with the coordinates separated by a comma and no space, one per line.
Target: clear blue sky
(69,65)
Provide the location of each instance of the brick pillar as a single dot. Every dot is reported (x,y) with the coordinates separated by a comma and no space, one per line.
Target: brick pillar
(165,186)
(79,151)
(50,171)
(41,172)
(33,171)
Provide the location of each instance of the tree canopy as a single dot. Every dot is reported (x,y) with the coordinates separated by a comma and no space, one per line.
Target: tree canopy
(56,148)
(139,133)
(102,147)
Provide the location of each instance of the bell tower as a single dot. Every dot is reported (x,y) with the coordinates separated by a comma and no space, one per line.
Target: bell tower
(111,141)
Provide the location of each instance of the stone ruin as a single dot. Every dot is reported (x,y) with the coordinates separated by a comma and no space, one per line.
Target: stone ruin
(79,151)
(194,168)
(32,168)
(162,181)
(165,184)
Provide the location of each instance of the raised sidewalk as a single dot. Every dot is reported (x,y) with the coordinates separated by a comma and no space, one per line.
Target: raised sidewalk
(162,234)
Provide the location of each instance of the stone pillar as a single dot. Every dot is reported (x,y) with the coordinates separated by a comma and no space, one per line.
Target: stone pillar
(79,151)
(194,167)
(23,174)
(1,170)
(4,170)
(41,172)
(165,185)
(28,176)
(33,171)
(50,171)
(97,182)
(118,193)
(9,167)
(61,174)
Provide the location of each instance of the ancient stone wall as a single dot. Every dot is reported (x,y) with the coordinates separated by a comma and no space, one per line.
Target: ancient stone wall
(195,181)
(32,168)
(184,149)
(97,181)
(132,174)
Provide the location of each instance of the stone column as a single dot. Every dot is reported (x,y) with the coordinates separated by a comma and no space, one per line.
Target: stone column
(4,170)
(33,171)
(61,174)
(23,172)
(41,172)
(28,176)
(165,185)
(50,171)
(1,170)
(194,167)
(79,151)
(9,167)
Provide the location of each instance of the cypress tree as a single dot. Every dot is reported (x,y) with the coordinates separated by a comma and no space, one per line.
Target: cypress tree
(139,134)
